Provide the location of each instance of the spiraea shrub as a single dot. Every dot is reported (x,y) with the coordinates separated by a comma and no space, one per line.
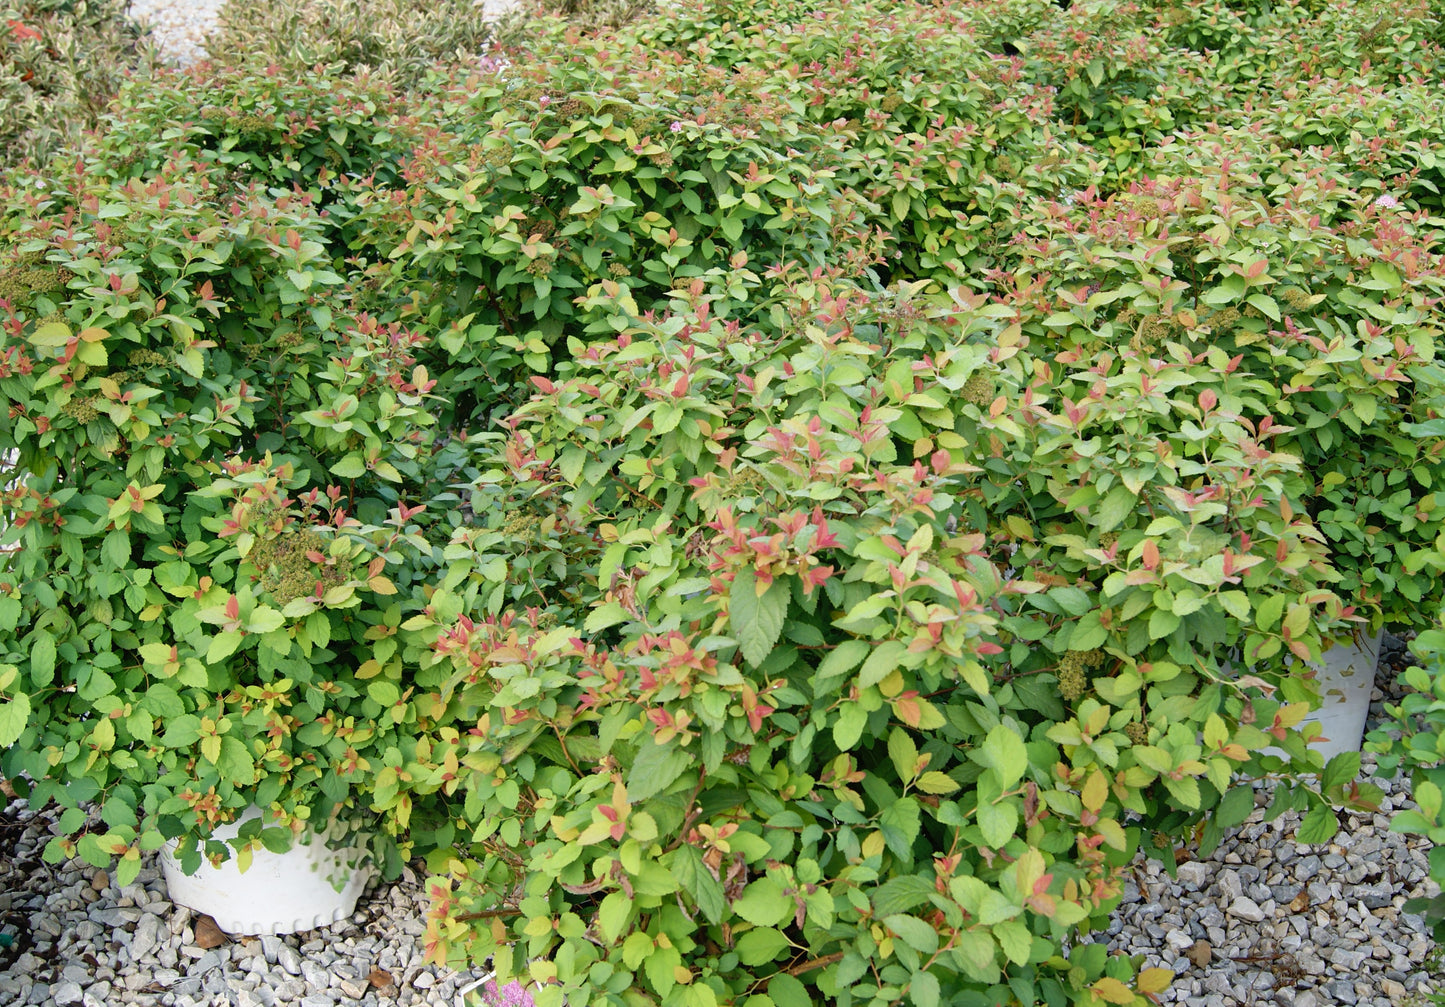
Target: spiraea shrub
(393,40)
(777,503)
(61,63)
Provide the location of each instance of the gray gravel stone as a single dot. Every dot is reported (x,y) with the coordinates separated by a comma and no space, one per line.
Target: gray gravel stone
(289,959)
(1246,909)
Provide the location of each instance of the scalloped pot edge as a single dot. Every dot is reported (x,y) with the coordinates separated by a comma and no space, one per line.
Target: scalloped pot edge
(308,886)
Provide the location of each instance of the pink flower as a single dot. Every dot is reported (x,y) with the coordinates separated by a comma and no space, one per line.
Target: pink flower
(676,127)
(511,995)
(1387,202)
(544,101)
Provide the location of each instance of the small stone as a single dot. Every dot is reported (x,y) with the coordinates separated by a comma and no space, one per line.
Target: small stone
(1179,940)
(1310,963)
(1201,953)
(289,959)
(316,977)
(1193,875)
(1300,903)
(1344,991)
(67,993)
(1246,909)
(423,980)
(1230,886)
(1348,961)
(115,918)
(352,989)
(147,936)
(100,881)
(271,947)
(1391,988)
(1307,998)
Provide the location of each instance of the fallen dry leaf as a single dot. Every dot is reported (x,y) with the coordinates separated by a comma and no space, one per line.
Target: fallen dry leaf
(1201,954)
(100,881)
(208,935)
(380,978)
(1301,902)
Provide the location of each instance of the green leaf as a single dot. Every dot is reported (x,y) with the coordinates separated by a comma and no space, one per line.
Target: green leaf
(923,989)
(693,877)
(760,946)
(1114,508)
(116,550)
(353,466)
(163,701)
(1014,937)
(764,904)
(1185,790)
(1003,751)
(899,825)
(1319,826)
(656,768)
(223,645)
(1340,770)
(182,732)
(127,870)
(1153,757)
(842,659)
(612,915)
(234,762)
(788,991)
(915,933)
(1267,612)
(382,692)
(934,782)
(849,726)
(661,968)
(974,952)
(1235,807)
(1266,304)
(998,822)
(756,622)
(1162,623)
(904,754)
(604,615)
(901,893)
(1089,633)
(14,715)
(42,660)
(884,659)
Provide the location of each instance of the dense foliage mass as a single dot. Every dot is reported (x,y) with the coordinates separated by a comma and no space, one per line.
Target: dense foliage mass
(778,503)
(61,62)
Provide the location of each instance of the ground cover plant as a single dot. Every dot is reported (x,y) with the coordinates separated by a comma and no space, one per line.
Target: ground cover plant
(776,503)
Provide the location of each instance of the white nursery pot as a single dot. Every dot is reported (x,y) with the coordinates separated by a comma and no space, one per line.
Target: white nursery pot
(1346,676)
(306,887)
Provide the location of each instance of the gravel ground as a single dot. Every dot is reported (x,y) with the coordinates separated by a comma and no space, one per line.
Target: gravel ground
(180,26)
(77,939)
